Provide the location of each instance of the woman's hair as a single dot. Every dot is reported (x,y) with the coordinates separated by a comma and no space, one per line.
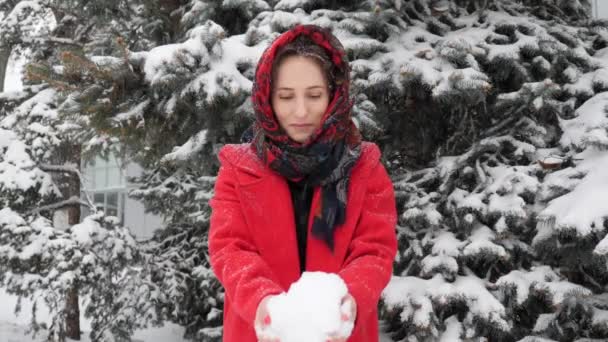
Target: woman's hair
(305,47)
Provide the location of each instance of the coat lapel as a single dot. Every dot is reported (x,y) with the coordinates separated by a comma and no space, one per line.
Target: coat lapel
(267,207)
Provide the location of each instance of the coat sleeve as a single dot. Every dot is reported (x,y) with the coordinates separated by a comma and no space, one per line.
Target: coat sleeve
(234,258)
(369,263)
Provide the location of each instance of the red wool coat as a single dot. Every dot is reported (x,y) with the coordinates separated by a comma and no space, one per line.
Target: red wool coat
(253,247)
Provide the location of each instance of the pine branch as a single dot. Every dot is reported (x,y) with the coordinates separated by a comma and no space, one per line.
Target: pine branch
(406,231)
(8,5)
(65,41)
(84,32)
(60,168)
(590,279)
(45,39)
(481,176)
(507,122)
(481,8)
(74,200)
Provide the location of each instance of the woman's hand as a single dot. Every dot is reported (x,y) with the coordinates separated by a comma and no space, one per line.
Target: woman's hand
(349,302)
(262,322)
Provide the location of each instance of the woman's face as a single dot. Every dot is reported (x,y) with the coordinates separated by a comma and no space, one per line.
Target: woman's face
(300,96)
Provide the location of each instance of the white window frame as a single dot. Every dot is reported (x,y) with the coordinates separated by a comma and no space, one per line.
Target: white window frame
(120,201)
(91,170)
(595,9)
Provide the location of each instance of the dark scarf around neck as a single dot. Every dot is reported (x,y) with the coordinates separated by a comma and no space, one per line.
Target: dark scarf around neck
(327,158)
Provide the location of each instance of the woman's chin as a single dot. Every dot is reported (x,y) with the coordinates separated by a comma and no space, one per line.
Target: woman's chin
(301,138)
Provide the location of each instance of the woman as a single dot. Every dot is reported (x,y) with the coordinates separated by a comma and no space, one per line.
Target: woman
(304,194)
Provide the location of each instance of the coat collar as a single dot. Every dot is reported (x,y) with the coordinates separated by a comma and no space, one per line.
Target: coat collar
(251,168)
(248,164)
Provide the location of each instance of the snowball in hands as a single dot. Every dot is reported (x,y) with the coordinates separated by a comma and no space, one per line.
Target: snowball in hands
(310,311)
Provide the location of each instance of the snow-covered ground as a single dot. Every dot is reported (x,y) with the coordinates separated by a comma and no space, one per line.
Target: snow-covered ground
(11,332)
(14,328)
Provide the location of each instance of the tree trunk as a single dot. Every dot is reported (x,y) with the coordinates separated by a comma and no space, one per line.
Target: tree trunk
(72,321)
(70,154)
(5,53)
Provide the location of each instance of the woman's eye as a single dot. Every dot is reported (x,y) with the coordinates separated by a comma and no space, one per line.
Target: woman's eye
(285,97)
(315,96)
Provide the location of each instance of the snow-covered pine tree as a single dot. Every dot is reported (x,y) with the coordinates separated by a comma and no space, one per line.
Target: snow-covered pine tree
(500,233)
(464,96)
(41,258)
(22,26)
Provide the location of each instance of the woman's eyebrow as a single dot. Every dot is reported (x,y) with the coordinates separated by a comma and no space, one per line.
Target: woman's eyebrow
(311,87)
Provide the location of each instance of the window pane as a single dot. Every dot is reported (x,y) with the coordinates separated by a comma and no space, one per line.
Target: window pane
(112,160)
(112,204)
(84,212)
(100,162)
(114,177)
(112,212)
(99,199)
(112,200)
(89,178)
(100,179)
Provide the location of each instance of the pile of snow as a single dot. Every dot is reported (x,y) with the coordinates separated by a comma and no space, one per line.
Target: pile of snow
(588,126)
(541,279)
(582,208)
(417,298)
(307,314)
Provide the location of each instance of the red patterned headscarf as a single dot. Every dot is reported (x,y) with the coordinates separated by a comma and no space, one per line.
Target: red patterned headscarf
(328,156)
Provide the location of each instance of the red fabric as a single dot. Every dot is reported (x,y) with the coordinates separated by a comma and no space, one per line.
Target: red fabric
(339,107)
(253,247)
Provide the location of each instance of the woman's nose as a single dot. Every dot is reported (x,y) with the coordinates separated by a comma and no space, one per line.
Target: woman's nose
(300,111)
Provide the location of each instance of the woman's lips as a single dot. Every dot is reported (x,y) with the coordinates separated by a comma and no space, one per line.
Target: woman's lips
(302,126)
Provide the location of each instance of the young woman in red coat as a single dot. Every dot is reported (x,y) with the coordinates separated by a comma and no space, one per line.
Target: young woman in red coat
(304,194)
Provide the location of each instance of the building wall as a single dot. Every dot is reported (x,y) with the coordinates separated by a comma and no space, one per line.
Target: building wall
(142,224)
(105,182)
(600,8)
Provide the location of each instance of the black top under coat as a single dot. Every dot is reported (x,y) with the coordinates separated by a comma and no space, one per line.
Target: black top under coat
(301,197)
